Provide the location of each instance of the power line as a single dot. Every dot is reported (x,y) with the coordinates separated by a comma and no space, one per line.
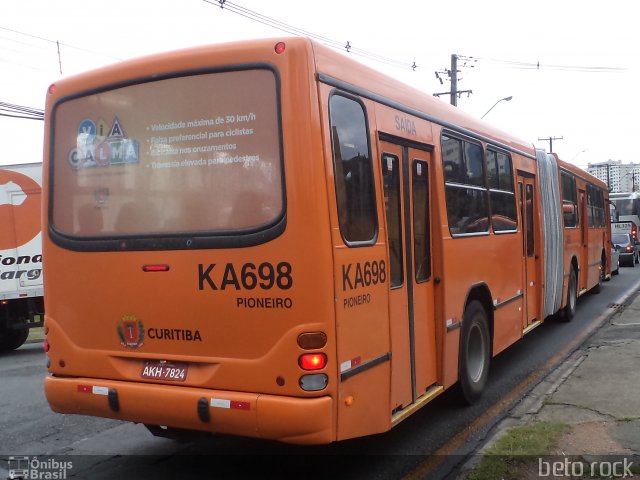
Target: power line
(566,68)
(68,45)
(284,27)
(20,111)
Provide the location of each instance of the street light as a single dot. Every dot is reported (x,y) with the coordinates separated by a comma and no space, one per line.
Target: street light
(506,99)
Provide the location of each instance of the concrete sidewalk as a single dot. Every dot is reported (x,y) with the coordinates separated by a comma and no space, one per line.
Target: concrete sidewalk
(596,391)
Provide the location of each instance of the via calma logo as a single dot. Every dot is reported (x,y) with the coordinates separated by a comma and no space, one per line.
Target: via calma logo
(95,149)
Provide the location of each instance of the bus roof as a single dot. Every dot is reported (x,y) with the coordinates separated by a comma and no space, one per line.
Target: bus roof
(337,65)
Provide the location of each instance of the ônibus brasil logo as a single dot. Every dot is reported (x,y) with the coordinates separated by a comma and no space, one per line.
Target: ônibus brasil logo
(131,332)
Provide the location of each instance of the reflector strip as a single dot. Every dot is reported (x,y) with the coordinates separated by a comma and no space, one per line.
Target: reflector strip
(155,268)
(349,364)
(232,404)
(100,390)
(94,389)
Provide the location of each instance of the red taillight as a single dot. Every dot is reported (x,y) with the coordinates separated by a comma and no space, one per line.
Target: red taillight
(628,248)
(52,88)
(155,268)
(312,361)
(46,345)
(280,47)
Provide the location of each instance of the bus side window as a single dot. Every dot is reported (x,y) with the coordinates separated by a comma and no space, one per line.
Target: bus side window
(529,220)
(391,179)
(465,188)
(569,201)
(502,197)
(421,228)
(353,171)
(595,202)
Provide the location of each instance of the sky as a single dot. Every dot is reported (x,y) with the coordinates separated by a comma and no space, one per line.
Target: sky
(572,67)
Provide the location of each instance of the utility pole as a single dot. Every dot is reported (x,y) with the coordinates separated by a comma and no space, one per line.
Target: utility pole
(550,140)
(454,80)
(454,93)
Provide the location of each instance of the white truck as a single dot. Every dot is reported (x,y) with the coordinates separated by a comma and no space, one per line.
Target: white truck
(21,290)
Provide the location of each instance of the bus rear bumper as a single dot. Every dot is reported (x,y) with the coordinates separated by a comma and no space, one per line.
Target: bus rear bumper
(286,419)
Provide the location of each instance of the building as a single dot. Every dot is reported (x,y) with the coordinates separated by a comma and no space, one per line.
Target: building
(621,177)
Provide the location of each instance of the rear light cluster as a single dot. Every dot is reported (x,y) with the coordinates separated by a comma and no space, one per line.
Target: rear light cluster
(313,361)
(46,345)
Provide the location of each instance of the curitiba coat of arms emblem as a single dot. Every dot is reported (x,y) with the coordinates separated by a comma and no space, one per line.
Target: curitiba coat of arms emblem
(131,332)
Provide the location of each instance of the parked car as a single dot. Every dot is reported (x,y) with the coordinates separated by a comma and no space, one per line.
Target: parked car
(624,244)
(615,261)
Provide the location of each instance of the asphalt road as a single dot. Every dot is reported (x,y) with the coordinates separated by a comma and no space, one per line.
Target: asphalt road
(106,449)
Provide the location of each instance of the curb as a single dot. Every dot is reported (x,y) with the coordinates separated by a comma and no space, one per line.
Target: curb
(533,400)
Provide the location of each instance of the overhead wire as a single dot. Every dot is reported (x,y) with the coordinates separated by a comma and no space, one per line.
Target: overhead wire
(542,66)
(56,42)
(20,111)
(277,24)
(287,28)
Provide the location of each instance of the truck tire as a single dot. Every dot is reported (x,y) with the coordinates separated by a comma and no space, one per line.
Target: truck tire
(475,352)
(12,339)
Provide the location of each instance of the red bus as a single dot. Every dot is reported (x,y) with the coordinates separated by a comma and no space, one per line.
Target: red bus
(269,239)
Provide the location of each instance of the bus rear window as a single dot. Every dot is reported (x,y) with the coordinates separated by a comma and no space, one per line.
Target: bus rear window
(194,155)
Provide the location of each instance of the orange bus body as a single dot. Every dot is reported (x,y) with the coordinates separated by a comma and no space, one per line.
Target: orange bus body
(268,239)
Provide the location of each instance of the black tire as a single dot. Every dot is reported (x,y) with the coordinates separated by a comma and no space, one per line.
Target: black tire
(572,297)
(12,339)
(178,434)
(637,257)
(475,352)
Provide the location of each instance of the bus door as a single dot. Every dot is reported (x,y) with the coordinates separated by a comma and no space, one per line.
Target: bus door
(585,261)
(526,186)
(406,172)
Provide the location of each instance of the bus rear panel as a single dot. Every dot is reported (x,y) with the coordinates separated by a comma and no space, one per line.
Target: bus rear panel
(189,274)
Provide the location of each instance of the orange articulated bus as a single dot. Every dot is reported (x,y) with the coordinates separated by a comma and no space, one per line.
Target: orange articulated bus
(268,239)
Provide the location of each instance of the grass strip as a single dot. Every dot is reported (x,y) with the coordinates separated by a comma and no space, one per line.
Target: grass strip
(514,450)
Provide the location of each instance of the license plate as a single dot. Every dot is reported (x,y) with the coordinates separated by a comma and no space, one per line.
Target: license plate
(161,370)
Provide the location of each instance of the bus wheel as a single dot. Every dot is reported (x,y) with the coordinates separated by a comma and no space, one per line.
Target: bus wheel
(474,352)
(572,297)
